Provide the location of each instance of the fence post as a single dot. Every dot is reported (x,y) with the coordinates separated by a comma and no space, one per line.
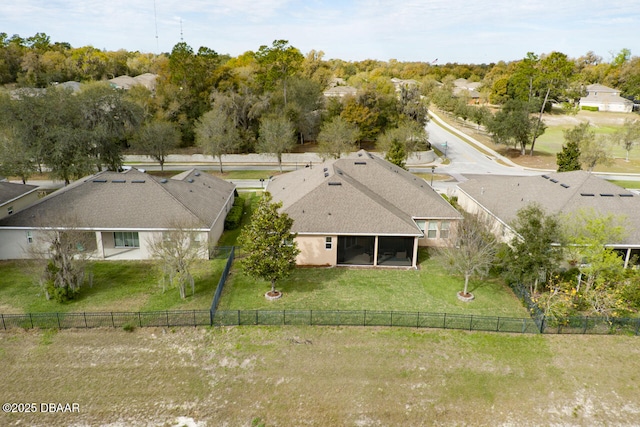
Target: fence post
(86,325)
(637,326)
(58,318)
(364,318)
(391,319)
(166,314)
(524,325)
(418,320)
(256,322)
(471,322)
(310,317)
(112,322)
(284,317)
(210,317)
(444,321)
(139,319)
(498,324)
(584,324)
(31,319)
(239,317)
(5,326)
(542,324)
(194,319)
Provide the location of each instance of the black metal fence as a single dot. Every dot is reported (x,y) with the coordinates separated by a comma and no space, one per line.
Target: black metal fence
(223,280)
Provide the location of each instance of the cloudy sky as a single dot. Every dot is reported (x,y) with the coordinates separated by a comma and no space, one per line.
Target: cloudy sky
(464,31)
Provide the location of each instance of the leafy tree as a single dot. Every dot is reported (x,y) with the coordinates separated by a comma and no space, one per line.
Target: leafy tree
(336,138)
(396,154)
(363,117)
(412,106)
(278,62)
(471,251)
(157,139)
(410,134)
(514,125)
(305,104)
(216,134)
(269,244)
(569,158)
(535,251)
(276,136)
(176,251)
(15,158)
(595,151)
(629,135)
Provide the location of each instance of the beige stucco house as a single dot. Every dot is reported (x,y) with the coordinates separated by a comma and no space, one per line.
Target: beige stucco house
(562,193)
(124,212)
(362,210)
(15,197)
(606,99)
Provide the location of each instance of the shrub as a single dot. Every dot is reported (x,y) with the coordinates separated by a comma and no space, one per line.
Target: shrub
(232,221)
(589,108)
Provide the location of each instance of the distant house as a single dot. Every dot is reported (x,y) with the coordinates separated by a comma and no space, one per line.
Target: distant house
(362,210)
(606,99)
(340,91)
(147,80)
(125,211)
(501,197)
(469,90)
(400,83)
(15,197)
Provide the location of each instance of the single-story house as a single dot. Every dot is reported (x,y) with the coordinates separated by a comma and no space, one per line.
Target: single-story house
(124,212)
(563,193)
(15,197)
(606,99)
(466,89)
(362,210)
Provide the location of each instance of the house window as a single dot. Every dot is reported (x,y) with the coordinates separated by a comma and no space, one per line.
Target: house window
(328,242)
(126,239)
(444,230)
(29,237)
(432,232)
(422,224)
(10,210)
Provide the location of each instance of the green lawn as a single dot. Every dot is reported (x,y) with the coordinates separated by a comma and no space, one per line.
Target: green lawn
(429,289)
(116,286)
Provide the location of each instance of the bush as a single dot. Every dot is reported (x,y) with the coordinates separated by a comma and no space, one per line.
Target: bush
(589,108)
(232,221)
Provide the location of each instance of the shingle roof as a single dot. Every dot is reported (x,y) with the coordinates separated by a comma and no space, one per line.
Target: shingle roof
(557,193)
(129,200)
(11,190)
(359,194)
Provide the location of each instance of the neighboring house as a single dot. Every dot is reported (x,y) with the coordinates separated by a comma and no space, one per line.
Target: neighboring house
(340,91)
(469,90)
(147,80)
(362,210)
(564,193)
(125,211)
(15,197)
(606,99)
(400,83)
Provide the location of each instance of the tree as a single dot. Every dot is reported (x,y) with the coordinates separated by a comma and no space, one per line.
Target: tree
(535,250)
(62,255)
(177,250)
(157,139)
(396,154)
(471,251)
(569,158)
(336,138)
(216,134)
(269,244)
(410,134)
(276,136)
(595,151)
(514,125)
(628,135)
(15,158)
(279,62)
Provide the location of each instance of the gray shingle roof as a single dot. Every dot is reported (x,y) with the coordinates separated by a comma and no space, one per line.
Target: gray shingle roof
(557,193)
(359,194)
(12,190)
(129,200)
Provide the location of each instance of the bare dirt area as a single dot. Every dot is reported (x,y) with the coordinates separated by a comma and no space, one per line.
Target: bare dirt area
(283,376)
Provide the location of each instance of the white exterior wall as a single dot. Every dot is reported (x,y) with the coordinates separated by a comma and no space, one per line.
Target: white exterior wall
(313,251)
(14,245)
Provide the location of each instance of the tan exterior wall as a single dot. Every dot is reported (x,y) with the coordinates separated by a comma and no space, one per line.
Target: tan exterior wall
(503,233)
(18,204)
(314,252)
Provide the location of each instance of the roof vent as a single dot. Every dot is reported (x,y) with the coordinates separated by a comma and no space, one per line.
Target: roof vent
(335,183)
(360,163)
(564,185)
(555,181)
(119,181)
(190,180)
(606,195)
(325,169)
(326,174)
(545,176)
(625,195)
(99,180)
(587,194)
(197,174)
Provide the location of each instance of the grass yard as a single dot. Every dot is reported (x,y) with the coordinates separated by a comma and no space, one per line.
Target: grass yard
(117,286)
(320,376)
(430,289)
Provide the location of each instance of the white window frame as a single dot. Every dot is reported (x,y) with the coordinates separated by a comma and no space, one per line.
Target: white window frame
(126,237)
(422,224)
(432,230)
(328,243)
(29,234)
